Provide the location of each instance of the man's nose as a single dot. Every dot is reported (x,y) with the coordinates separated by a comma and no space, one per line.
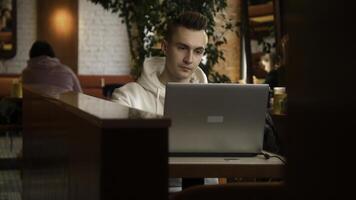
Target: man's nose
(188,58)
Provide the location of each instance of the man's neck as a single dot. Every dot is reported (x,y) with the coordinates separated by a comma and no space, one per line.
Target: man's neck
(165,77)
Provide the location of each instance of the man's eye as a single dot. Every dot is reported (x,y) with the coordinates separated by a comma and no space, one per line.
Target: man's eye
(181,47)
(199,51)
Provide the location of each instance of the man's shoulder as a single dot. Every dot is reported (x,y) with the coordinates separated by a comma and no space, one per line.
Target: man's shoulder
(128,94)
(130,88)
(65,68)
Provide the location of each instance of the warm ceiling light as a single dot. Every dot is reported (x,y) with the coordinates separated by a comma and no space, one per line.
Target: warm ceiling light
(62,21)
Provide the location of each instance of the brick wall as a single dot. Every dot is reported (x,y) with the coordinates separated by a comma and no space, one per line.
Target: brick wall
(103,41)
(231,66)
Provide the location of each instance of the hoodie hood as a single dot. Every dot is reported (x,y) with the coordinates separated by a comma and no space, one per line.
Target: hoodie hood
(153,67)
(43,62)
(148,93)
(44,70)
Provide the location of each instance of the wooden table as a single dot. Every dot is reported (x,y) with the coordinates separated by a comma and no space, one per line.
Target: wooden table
(81,147)
(242,167)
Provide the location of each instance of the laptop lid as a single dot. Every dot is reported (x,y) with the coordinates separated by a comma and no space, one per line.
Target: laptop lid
(216,119)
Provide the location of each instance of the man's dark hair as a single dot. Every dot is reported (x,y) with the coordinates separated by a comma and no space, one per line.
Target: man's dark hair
(41,48)
(190,20)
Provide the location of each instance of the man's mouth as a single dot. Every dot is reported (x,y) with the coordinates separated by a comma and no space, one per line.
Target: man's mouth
(186,68)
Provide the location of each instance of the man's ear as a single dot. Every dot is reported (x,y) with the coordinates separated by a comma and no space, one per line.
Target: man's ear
(164,46)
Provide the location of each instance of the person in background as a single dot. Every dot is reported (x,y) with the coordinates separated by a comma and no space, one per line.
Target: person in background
(258,70)
(5,20)
(44,69)
(277,75)
(184,47)
(270,62)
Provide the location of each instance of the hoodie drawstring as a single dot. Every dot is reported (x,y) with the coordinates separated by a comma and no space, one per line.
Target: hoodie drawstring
(157,99)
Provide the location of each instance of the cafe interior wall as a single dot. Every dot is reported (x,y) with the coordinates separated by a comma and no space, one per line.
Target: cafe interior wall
(103,41)
(231,65)
(26,34)
(102,45)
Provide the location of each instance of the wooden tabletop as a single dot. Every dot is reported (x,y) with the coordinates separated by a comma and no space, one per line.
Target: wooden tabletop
(244,167)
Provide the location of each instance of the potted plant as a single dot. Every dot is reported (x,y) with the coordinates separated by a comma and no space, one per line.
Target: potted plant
(146,23)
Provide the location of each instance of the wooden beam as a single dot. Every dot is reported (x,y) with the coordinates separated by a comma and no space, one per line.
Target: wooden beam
(260,10)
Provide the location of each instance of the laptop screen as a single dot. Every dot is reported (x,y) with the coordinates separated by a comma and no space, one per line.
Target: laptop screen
(216,118)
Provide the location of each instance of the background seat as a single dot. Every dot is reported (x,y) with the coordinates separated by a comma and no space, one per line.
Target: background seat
(108,89)
(94,84)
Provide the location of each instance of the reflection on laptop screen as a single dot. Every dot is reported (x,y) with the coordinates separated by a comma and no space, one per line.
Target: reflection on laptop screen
(216,119)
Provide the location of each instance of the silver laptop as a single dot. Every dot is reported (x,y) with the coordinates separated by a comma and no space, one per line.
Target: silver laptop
(216,119)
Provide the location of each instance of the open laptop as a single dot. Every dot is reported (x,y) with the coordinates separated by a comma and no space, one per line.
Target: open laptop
(216,119)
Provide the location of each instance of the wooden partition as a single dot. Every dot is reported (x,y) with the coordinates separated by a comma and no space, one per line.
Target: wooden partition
(81,147)
(321,98)
(93,85)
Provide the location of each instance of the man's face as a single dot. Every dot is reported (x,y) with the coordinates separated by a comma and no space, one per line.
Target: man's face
(184,52)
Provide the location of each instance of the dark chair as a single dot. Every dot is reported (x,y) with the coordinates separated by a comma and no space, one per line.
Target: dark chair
(108,89)
(241,191)
(10,130)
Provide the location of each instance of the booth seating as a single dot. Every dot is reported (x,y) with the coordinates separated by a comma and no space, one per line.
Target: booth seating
(93,85)
(6,84)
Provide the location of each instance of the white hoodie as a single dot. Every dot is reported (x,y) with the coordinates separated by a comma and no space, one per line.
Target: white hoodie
(148,92)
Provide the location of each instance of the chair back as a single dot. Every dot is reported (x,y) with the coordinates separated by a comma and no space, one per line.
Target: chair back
(108,89)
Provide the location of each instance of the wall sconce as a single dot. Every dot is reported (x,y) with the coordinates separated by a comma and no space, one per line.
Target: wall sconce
(62,22)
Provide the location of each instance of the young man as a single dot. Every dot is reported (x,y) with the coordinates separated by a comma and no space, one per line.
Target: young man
(184,47)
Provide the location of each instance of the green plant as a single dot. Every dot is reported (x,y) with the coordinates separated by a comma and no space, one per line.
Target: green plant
(146,23)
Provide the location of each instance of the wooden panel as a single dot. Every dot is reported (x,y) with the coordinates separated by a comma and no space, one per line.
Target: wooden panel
(260,10)
(57,22)
(94,84)
(81,147)
(280,124)
(6,37)
(96,81)
(6,84)
(321,98)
